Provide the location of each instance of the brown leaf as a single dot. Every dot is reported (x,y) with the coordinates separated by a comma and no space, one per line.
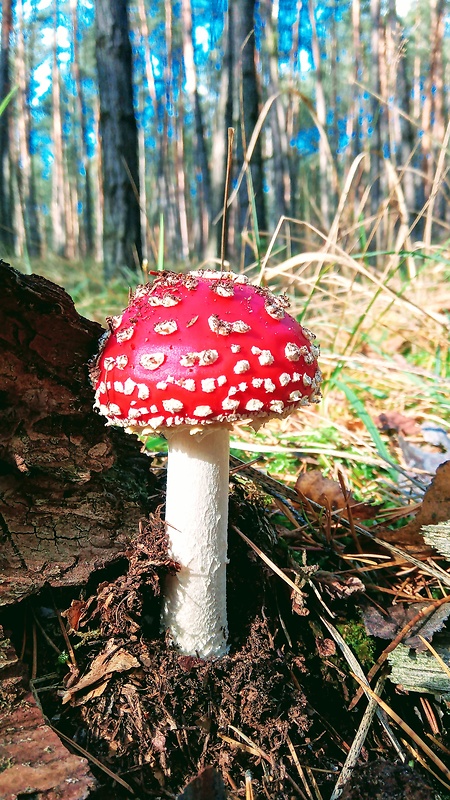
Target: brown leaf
(394,421)
(389,624)
(324,491)
(74,614)
(325,647)
(339,587)
(435,508)
(298,604)
(328,493)
(112,659)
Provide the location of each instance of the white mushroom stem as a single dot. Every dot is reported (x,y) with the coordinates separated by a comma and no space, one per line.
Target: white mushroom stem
(194,608)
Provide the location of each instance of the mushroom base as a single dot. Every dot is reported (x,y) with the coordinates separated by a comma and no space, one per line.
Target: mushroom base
(194,608)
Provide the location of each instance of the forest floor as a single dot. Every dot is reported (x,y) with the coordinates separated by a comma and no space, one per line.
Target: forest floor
(328,689)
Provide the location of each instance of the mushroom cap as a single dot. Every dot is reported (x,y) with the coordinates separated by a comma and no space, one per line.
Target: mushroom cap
(203,348)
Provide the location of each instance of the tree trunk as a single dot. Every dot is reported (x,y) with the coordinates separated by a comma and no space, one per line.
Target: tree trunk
(118,130)
(98,187)
(355,129)
(222,122)
(375,141)
(25,177)
(321,112)
(72,491)
(180,168)
(147,228)
(59,194)
(6,227)
(400,111)
(292,114)
(432,109)
(278,125)
(247,110)
(88,229)
(202,169)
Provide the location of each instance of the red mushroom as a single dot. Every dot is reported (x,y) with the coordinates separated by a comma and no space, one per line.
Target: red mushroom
(190,356)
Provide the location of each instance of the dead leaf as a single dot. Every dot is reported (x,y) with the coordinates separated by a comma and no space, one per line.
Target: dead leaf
(340,587)
(419,458)
(324,491)
(329,494)
(74,614)
(389,624)
(112,659)
(325,647)
(435,507)
(394,421)
(299,604)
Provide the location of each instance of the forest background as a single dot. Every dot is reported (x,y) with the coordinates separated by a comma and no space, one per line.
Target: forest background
(115,116)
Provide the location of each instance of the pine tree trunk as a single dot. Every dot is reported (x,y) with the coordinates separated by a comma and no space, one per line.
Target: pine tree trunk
(180,168)
(247,101)
(281,174)
(26,180)
(321,112)
(149,243)
(121,215)
(200,151)
(402,135)
(6,225)
(98,187)
(88,228)
(375,141)
(58,205)
(354,131)
(222,122)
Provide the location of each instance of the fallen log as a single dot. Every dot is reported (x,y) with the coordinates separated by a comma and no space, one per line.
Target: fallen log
(71,490)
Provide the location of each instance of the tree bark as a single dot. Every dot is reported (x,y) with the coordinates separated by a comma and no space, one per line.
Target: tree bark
(247,109)
(59,187)
(72,491)
(202,169)
(222,122)
(118,130)
(375,141)
(278,123)
(321,112)
(25,176)
(88,229)
(34,761)
(6,227)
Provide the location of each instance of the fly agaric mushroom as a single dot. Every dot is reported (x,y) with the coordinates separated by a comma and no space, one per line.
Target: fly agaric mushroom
(190,356)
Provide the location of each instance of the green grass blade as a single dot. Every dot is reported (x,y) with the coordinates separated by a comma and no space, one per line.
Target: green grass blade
(361,411)
(7,99)
(160,265)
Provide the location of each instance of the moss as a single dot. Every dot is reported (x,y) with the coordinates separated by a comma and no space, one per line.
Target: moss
(355,635)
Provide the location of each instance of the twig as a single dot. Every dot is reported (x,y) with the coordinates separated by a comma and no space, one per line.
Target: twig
(358,742)
(225,198)
(407,729)
(94,760)
(362,680)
